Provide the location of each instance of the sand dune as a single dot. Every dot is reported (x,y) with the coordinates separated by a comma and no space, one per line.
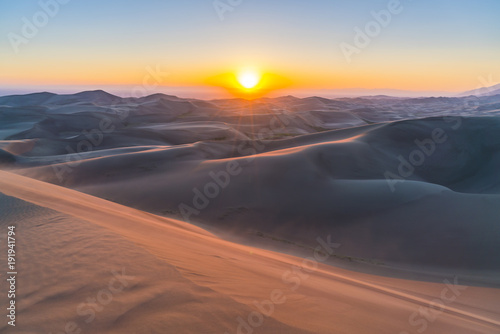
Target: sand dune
(326,183)
(186,280)
(294,173)
(213,205)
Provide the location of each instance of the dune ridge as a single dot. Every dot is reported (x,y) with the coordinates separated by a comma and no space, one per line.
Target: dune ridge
(209,259)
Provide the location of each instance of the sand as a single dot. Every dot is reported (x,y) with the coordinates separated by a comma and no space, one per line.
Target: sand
(281,215)
(187,280)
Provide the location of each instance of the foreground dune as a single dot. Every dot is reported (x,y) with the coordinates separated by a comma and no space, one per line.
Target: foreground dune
(181,279)
(365,215)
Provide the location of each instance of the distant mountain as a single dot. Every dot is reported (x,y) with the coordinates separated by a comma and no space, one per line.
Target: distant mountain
(97,96)
(45,98)
(495,92)
(483,91)
(33,99)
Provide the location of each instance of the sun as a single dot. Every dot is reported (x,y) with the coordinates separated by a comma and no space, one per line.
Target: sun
(249,79)
(249,82)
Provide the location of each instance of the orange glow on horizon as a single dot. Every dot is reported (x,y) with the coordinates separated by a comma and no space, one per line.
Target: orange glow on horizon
(249,83)
(283,75)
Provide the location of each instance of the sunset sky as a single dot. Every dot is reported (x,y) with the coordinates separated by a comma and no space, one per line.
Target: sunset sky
(438,45)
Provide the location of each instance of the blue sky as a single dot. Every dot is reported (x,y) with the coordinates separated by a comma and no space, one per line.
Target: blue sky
(431,45)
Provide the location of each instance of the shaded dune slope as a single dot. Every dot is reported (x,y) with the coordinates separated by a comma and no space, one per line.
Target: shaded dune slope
(396,181)
(326,183)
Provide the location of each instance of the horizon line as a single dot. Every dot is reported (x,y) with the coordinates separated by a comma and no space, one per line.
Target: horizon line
(237,98)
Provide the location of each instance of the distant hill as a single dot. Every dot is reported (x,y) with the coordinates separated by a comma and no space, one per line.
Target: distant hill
(484,91)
